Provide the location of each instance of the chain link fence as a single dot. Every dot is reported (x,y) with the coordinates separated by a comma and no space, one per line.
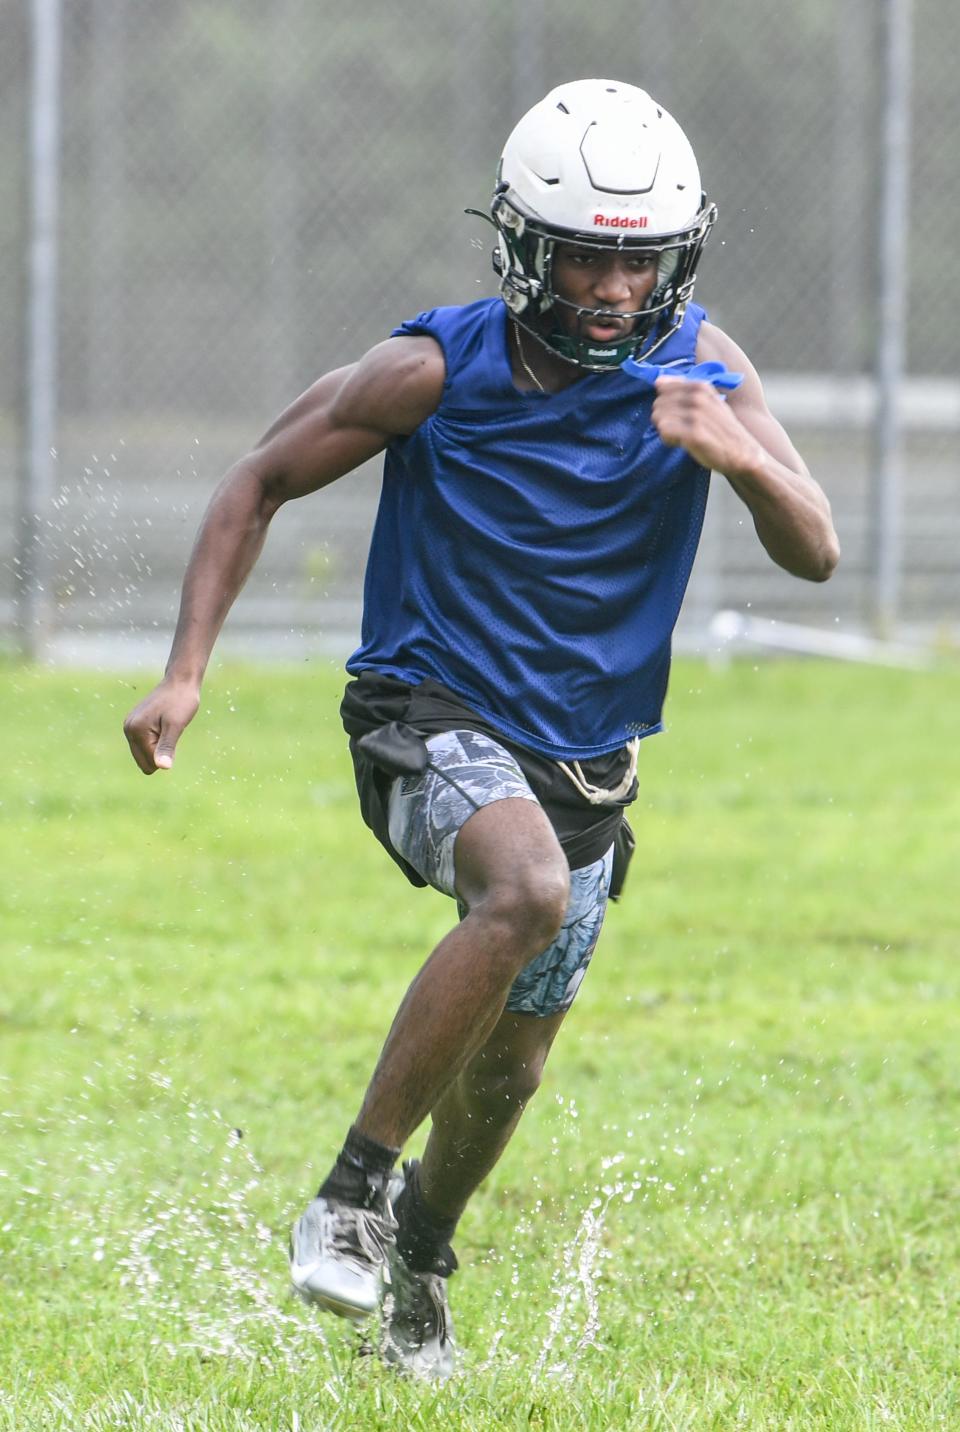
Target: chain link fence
(250,195)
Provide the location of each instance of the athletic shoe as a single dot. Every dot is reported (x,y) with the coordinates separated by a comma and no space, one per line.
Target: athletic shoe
(338,1255)
(417,1329)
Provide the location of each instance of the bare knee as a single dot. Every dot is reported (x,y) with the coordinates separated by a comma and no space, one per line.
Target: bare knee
(523,911)
(514,879)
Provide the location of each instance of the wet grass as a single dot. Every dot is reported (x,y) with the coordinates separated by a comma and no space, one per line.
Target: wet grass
(733,1203)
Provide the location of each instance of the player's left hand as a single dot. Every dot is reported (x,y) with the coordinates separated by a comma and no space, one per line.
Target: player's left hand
(693,415)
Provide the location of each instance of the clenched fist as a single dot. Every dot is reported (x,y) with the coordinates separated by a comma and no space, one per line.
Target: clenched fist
(154,727)
(694,416)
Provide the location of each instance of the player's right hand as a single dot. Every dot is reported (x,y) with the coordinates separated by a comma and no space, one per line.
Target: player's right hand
(153,728)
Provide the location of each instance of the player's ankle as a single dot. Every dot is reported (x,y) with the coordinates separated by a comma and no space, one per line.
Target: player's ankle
(361,1171)
(423,1234)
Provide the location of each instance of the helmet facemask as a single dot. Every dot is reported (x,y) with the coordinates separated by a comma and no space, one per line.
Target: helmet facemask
(523,260)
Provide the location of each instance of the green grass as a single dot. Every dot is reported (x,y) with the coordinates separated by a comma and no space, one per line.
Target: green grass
(734,1201)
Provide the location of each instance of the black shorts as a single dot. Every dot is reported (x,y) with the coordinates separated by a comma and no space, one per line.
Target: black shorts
(585,831)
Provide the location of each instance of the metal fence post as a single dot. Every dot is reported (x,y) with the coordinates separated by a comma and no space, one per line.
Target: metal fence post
(284,374)
(892,309)
(108,216)
(40,378)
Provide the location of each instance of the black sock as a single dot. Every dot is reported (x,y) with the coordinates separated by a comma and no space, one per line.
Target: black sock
(423,1235)
(361,1171)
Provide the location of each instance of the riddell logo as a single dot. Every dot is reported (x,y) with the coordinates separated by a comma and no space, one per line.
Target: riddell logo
(620,221)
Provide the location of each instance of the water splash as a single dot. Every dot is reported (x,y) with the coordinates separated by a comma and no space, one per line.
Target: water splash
(197,1269)
(577,1297)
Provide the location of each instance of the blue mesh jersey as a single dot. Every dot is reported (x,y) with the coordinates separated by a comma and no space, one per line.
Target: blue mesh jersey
(531,550)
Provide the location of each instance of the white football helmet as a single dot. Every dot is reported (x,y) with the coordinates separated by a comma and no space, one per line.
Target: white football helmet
(598,163)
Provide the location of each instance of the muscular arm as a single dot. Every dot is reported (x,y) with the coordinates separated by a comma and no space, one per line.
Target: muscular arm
(741,439)
(345,418)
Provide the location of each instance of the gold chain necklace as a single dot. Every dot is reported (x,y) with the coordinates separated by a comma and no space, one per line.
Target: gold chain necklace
(525,365)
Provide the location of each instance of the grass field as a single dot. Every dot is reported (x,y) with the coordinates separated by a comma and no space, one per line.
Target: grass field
(733,1203)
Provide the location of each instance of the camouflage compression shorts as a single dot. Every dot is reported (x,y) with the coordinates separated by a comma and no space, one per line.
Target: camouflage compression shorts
(469,771)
